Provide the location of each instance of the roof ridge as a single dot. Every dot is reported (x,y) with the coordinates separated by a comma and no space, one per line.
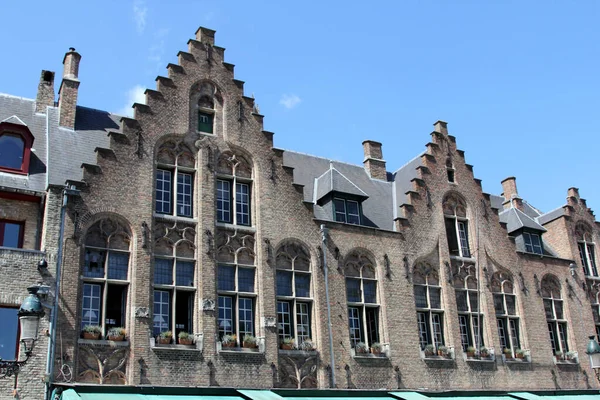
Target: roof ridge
(16,97)
(411,160)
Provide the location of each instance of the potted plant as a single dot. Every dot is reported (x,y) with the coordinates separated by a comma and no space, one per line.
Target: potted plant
(361,348)
(442,351)
(507,353)
(185,338)
(484,352)
(287,343)
(307,345)
(92,332)
(559,355)
(165,337)
(470,352)
(571,356)
(429,350)
(249,342)
(520,354)
(116,334)
(229,340)
(376,348)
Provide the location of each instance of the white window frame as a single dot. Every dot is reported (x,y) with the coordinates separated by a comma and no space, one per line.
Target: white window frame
(464,248)
(588,258)
(474,319)
(435,338)
(235,199)
(555,324)
(175,191)
(362,306)
(346,213)
(295,316)
(510,332)
(235,295)
(528,239)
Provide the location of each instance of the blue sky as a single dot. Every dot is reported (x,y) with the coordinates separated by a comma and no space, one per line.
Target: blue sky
(517,82)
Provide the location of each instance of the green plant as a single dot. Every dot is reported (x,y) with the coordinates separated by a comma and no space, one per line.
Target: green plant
(287,341)
(484,352)
(429,349)
(120,331)
(507,351)
(166,335)
(361,347)
(520,352)
(95,329)
(442,351)
(558,354)
(227,339)
(470,349)
(376,346)
(184,335)
(307,345)
(570,355)
(249,339)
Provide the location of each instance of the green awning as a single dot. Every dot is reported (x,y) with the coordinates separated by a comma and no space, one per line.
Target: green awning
(409,395)
(71,394)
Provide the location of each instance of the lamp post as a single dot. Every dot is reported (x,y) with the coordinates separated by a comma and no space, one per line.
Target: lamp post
(593,351)
(29,314)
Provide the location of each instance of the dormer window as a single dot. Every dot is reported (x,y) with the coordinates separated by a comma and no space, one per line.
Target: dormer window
(533,243)
(15,147)
(346,211)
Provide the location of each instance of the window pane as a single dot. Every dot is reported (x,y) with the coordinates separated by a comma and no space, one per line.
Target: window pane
(562,334)
(370,291)
(510,304)
(473,301)
(339,207)
(163,191)
(354,325)
(90,313)
(184,307)
(246,317)
(225,277)
(12,235)
(583,257)
(246,280)
(94,263)
(420,296)
(537,246)
(118,265)
(353,212)
(558,308)
(502,333)
(8,333)
(528,243)
(303,322)
(184,195)
(464,239)
(548,309)
(116,304)
(372,325)
(162,311)
(435,297)
(163,271)
(205,122)
(592,256)
(438,335)
(514,333)
(423,322)
(463,324)
(223,201)
(452,238)
(12,149)
(225,316)
(302,285)
(284,283)
(353,290)
(184,274)
(242,203)
(284,320)
(498,304)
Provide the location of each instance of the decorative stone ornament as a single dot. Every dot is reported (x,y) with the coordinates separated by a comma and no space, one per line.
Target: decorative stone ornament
(142,312)
(269,322)
(208,305)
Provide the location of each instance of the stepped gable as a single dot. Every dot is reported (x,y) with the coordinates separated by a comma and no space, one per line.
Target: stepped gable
(10,108)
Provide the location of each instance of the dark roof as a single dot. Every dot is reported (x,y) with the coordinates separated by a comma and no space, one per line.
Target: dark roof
(551,215)
(334,181)
(516,219)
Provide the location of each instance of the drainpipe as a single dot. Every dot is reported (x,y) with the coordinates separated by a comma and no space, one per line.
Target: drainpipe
(52,343)
(324,231)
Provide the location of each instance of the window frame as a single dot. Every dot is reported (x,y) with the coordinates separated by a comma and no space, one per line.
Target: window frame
(346,213)
(233,200)
(21,238)
(468,329)
(588,260)
(428,312)
(528,240)
(364,329)
(25,134)
(456,224)
(557,335)
(236,296)
(18,330)
(509,338)
(175,172)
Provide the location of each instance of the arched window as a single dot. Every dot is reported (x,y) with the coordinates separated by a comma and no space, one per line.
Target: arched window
(587,249)
(505,305)
(234,188)
(174,278)
(555,316)
(294,300)
(470,317)
(361,295)
(457,225)
(175,168)
(428,301)
(105,275)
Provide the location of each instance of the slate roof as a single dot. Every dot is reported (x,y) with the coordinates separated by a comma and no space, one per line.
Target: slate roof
(334,181)
(22,111)
(551,215)
(515,219)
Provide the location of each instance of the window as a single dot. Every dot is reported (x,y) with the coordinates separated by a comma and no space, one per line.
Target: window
(206,114)
(470,318)
(588,258)
(533,244)
(105,275)
(555,317)
(174,280)
(11,234)
(175,180)
(236,294)
(450,170)
(234,186)
(15,148)
(346,211)
(361,295)
(505,305)
(294,302)
(457,230)
(428,301)
(9,334)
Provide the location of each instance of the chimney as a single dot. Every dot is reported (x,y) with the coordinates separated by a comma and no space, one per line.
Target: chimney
(573,192)
(510,193)
(67,94)
(374,162)
(45,93)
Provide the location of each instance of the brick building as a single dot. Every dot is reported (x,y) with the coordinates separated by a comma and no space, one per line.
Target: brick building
(187,220)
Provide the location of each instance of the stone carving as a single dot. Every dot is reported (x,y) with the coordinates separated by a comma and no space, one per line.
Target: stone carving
(293,255)
(144,235)
(176,152)
(298,371)
(270,322)
(208,305)
(388,267)
(109,232)
(359,264)
(174,238)
(209,242)
(453,204)
(103,364)
(142,312)
(235,247)
(234,164)
(268,251)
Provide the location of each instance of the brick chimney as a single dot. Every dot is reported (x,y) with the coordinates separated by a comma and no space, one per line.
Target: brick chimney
(67,94)
(374,162)
(510,193)
(45,93)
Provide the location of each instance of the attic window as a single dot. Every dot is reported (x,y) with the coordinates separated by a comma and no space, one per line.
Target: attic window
(15,147)
(533,244)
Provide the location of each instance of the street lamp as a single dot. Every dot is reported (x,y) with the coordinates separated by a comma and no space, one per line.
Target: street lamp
(593,351)
(29,314)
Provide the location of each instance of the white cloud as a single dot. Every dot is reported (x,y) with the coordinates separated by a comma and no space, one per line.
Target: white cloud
(290,101)
(139,15)
(134,95)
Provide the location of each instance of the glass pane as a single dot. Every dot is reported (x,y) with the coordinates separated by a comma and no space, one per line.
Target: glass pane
(596,314)
(510,304)
(225,316)
(420,296)
(435,297)
(303,322)
(242,203)
(438,336)
(118,265)
(94,263)
(12,235)
(502,334)
(370,291)
(592,256)
(537,246)
(162,311)
(184,273)
(163,271)
(353,290)
(464,239)
(284,320)
(498,304)
(473,301)
(548,309)
(90,313)
(8,333)
(205,122)
(184,307)
(246,317)
(12,149)
(246,280)
(284,283)
(528,244)
(163,191)
(452,238)
(372,325)
(339,207)
(461,300)
(223,201)
(302,285)
(354,325)
(352,212)
(116,304)
(226,277)
(423,323)
(184,195)
(558,308)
